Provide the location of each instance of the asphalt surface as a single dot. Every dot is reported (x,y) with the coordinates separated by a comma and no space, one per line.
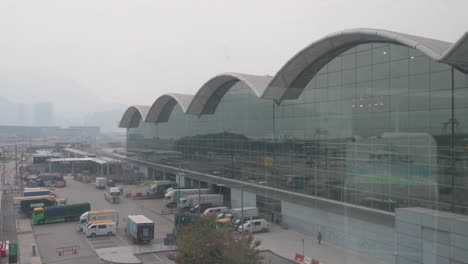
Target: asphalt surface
(52,236)
(8,222)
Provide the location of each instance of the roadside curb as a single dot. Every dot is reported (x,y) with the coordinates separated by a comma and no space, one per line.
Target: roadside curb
(26,241)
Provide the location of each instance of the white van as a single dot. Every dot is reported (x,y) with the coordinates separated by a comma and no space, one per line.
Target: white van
(102,228)
(257,225)
(216,210)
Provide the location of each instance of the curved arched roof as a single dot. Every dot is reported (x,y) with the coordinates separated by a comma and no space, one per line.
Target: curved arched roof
(210,94)
(291,79)
(161,109)
(132,116)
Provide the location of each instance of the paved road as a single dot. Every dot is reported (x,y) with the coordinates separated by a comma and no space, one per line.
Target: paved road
(49,237)
(7,221)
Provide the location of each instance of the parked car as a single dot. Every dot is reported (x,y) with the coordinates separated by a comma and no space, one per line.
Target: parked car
(215,210)
(101,228)
(237,222)
(203,207)
(257,225)
(225,215)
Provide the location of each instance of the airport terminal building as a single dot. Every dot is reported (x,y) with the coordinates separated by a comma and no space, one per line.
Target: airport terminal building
(361,135)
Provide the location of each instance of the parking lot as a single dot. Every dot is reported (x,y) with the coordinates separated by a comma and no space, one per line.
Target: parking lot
(50,237)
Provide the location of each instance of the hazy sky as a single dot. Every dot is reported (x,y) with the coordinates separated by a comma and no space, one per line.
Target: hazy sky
(133,51)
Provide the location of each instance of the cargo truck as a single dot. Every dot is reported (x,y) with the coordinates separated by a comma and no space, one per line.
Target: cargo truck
(159,188)
(139,228)
(248,212)
(172,198)
(67,213)
(27,204)
(112,194)
(192,200)
(109,214)
(101,182)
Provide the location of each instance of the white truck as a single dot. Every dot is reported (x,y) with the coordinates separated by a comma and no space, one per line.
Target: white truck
(248,212)
(172,198)
(192,200)
(112,194)
(109,214)
(101,182)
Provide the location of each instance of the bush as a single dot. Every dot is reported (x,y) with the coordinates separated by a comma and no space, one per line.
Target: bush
(204,242)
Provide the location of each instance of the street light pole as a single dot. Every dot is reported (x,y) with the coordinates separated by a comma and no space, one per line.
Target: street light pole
(199,198)
(242,206)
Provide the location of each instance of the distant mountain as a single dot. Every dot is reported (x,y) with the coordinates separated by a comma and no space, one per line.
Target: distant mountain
(6,116)
(73,104)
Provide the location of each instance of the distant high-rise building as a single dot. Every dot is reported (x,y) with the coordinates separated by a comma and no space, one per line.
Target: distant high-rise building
(20,115)
(43,114)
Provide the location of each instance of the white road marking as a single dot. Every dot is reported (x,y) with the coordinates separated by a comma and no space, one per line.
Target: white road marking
(156,256)
(89,243)
(121,239)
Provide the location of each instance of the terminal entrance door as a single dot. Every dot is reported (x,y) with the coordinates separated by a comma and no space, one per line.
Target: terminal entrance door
(269,208)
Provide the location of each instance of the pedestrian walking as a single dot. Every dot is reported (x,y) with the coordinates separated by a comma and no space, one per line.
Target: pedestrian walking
(319,237)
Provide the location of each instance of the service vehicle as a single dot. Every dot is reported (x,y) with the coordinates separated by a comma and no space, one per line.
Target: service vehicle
(100,228)
(139,228)
(192,200)
(252,226)
(112,194)
(108,214)
(223,222)
(215,210)
(225,215)
(101,182)
(55,214)
(172,198)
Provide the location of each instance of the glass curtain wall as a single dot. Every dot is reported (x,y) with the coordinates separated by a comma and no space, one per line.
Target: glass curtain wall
(381,126)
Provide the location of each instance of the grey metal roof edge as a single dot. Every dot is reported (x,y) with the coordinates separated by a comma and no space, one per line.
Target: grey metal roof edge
(455,46)
(257,83)
(183,100)
(276,87)
(435,49)
(142,110)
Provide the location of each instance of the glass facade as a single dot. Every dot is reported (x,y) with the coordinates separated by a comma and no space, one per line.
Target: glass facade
(381,126)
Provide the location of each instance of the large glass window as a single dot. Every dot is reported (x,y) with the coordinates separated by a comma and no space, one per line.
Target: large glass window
(379,126)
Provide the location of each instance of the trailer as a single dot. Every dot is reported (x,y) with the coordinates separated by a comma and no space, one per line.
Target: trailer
(139,228)
(194,199)
(173,197)
(56,214)
(37,192)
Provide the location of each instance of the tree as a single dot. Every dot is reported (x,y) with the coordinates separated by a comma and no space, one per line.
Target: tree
(205,242)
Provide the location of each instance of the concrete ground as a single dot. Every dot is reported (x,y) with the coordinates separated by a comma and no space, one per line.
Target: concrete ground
(49,237)
(52,236)
(287,243)
(8,219)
